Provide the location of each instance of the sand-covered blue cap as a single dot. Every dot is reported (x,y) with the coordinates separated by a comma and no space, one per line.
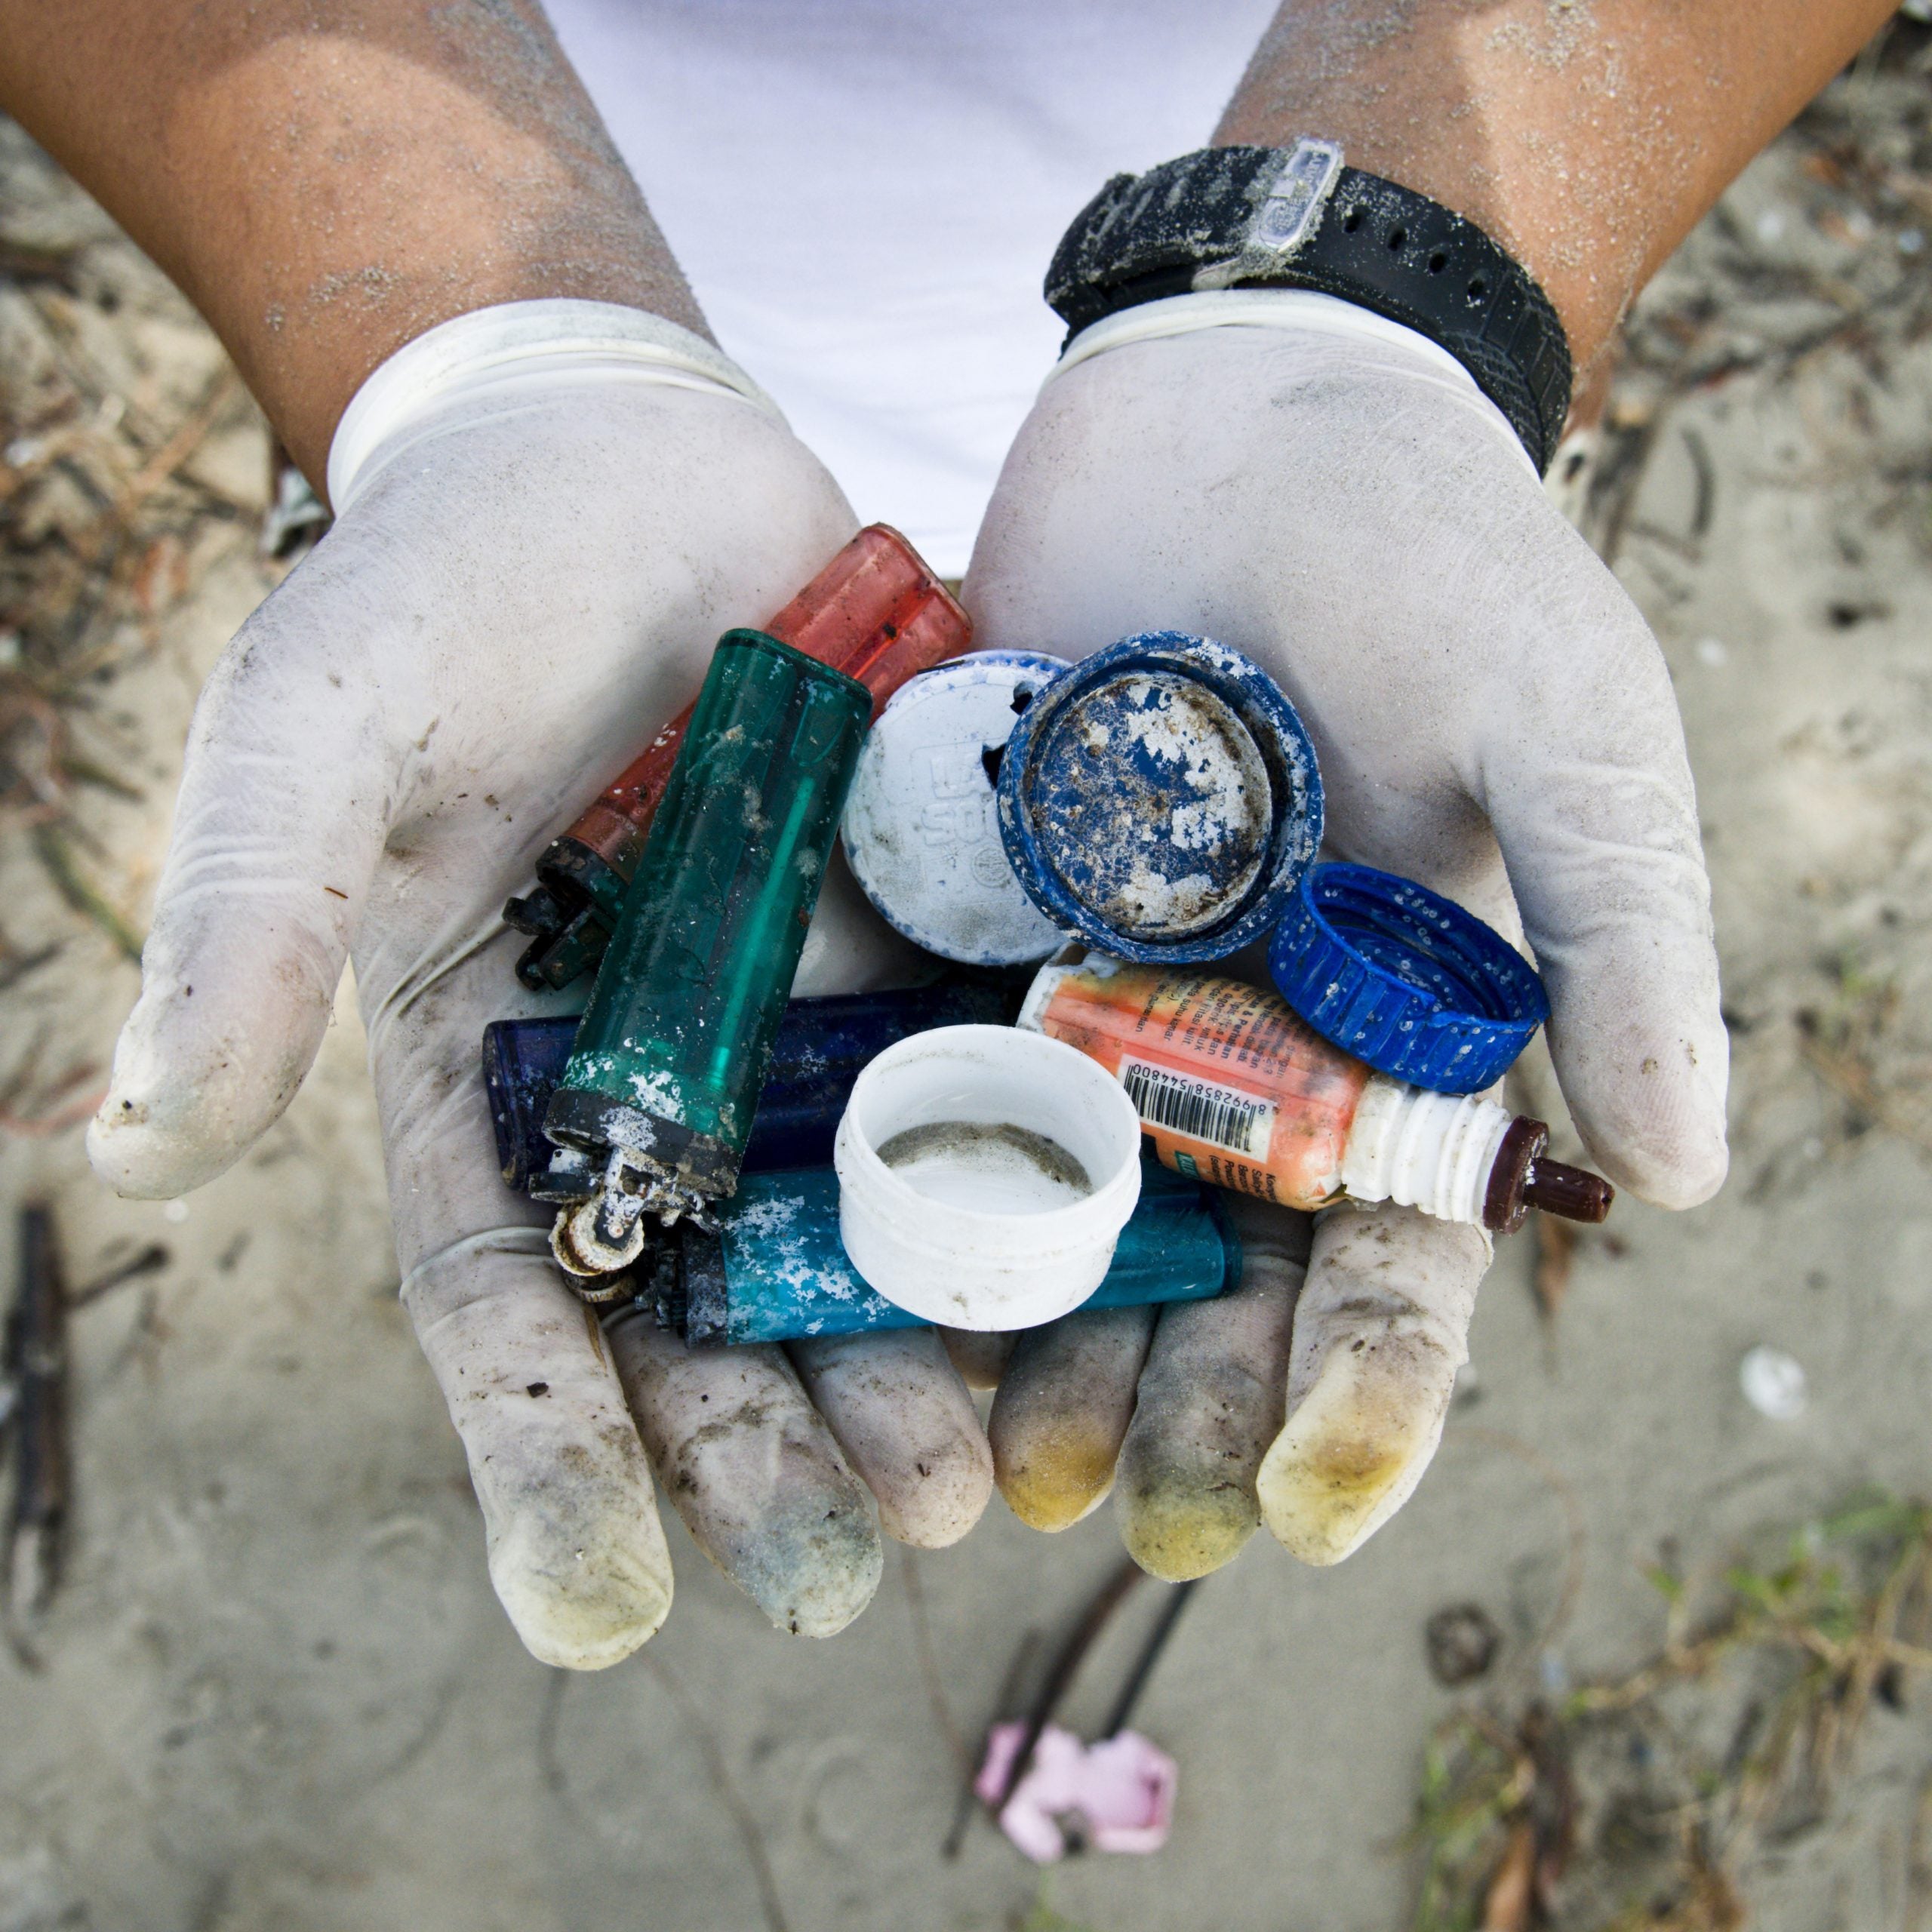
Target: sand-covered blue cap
(1160,799)
(1405,979)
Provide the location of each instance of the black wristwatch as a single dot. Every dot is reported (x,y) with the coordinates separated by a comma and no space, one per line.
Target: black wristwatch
(1245,217)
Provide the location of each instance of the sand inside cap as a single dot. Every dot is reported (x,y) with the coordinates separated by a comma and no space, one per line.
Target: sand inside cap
(1153,803)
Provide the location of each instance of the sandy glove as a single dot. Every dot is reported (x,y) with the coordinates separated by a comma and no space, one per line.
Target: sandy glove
(1331,494)
(546,514)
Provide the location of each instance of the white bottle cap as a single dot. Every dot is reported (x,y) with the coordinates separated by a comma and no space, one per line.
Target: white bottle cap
(985,1175)
(921,829)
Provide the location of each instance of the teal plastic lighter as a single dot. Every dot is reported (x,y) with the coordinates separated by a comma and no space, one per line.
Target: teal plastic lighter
(674,1046)
(775,1270)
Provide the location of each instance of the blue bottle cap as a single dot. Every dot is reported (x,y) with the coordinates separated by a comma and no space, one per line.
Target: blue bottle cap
(1405,979)
(1160,799)
(920,830)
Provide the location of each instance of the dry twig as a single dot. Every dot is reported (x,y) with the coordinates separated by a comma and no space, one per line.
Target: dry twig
(1825,1626)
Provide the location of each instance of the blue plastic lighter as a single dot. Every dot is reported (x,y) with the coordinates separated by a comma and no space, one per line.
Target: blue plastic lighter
(776,1270)
(821,1046)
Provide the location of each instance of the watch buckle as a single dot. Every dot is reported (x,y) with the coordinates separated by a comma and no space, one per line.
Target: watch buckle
(1288,214)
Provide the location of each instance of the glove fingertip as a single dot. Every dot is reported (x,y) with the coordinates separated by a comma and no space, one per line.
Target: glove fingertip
(195,1084)
(1665,1143)
(814,1573)
(138,1163)
(907,1427)
(955,1484)
(144,1158)
(1185,1497)
(1178,1534)
(1675,1182)
(591,1614)
(1354,1449)
(1053,1495)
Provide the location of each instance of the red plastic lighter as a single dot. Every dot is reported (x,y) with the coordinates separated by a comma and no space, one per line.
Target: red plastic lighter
(875,612)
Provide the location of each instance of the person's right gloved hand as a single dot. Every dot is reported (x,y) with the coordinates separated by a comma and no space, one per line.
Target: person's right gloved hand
(546,514)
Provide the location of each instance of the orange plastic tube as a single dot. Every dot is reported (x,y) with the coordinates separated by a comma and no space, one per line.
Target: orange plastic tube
(1232,1087)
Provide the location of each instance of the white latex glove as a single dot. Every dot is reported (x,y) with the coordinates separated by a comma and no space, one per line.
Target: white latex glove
(1331,495)
(547,513)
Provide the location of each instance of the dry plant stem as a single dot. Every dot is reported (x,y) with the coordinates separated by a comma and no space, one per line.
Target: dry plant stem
(1143,1672)
(326,179)
(1586,139)
(722,1783)
(556,1780)
(1575,1537)
(1850,1077)
(159,467)
(34,1364)
(1060,1675)
(1508,1784)
(1918,1862)
(1556,1251)
(1511,1895)
(929,1670)
(51,848)
(1861,1663)
(148,1260)
(1863,1658)
(964,1811)
(52,1110)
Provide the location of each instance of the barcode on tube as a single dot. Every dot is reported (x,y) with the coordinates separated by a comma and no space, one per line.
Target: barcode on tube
(1216,1115)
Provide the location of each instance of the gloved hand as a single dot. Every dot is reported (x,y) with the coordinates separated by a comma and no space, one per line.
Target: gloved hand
(1332,495)
(547,513)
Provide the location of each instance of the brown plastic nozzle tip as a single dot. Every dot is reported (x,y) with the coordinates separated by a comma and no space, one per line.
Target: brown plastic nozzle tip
(1505,1203)
(1575,1193)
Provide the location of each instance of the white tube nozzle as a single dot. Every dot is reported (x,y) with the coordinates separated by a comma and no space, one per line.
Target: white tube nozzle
(1436,1152)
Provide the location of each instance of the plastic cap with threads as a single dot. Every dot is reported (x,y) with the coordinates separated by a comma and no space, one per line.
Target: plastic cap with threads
(1405,979)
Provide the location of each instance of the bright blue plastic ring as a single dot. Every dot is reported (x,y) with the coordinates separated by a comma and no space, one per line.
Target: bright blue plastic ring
(1405,979)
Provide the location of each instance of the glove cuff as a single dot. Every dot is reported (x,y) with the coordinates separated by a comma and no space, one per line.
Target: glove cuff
(507,353)
(1301,311)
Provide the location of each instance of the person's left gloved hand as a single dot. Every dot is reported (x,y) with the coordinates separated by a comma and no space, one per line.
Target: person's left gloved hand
(1332,495)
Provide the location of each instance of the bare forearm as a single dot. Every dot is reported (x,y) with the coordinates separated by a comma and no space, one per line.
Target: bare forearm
(326,179)
(1586,137)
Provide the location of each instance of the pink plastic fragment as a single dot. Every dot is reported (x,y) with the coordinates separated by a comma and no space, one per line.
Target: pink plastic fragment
(1122,1789)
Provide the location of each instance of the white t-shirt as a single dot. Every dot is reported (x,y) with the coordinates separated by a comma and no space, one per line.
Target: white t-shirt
(864,194)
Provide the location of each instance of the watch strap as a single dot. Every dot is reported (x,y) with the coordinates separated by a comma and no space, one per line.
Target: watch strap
(1299,218)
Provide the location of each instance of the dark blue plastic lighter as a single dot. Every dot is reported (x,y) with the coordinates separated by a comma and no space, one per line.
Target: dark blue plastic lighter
(821,1046)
